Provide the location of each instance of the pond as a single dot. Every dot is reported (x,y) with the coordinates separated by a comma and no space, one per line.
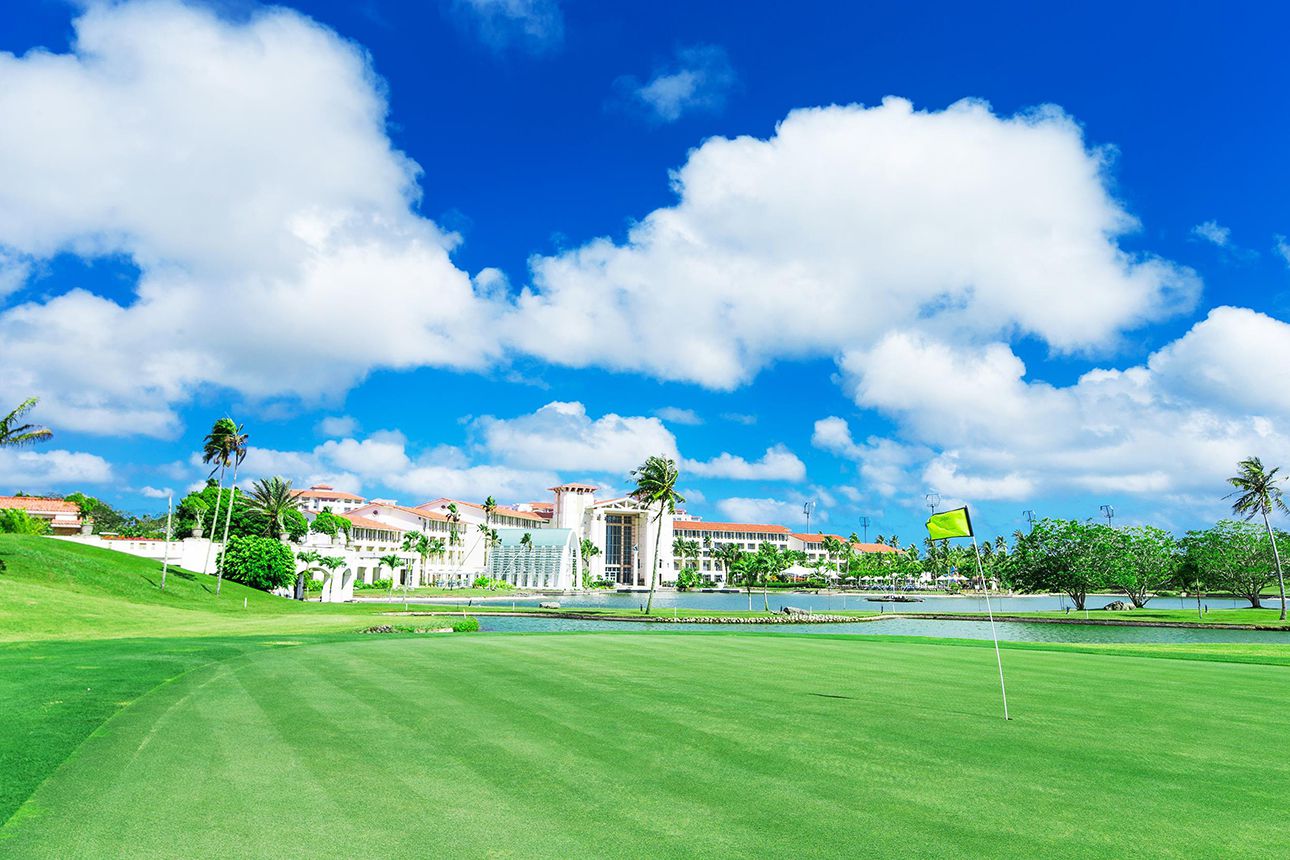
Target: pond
(831,602)
(1010,630)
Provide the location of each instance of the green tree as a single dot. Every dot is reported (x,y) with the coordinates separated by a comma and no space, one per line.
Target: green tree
(656,485)
(526,544)
(588,551)
(1232,556)
(15,521)
(274,500)
(393,562)
(260,562)
(454,524)
(688,578)
(1258,493)
(17,435)
(490,508)
(1145,560)
(1068,556)
(194,507)
(327,523)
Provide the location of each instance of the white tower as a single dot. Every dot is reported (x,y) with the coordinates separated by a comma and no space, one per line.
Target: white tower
(571,503)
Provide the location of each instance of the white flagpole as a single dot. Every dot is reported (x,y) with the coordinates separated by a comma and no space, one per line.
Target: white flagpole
(165,562)
(985,586)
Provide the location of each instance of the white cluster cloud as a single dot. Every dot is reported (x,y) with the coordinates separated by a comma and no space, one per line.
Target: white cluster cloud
(1212,231)
(562,436)
(977,429)
(207,152)
(536,26)
(512,458)
(777,464)
(338,425)
(846,224)
(677,415)
(697,80)
(37,471)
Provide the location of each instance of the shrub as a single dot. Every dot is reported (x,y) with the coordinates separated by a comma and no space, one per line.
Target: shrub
(259,562)
(19,522)
(489,583)
(327,523)
(688,578)
(376,584)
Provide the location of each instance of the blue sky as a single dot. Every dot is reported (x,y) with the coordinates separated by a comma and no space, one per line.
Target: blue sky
(373,231)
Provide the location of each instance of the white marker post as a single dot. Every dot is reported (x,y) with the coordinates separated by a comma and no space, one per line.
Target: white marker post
(985,587)
(165,557)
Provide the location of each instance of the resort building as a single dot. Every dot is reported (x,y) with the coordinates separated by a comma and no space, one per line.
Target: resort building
(322,496)
(64,518)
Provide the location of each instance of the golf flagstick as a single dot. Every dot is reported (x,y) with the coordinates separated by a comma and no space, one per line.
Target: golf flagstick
(985,587)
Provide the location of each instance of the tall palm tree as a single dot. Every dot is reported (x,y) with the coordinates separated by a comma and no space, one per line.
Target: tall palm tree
(418,543)
(454,521)
(1258,493)
(588,550)
(490,537)
(491,540)
(656,485)
(273,499)
(526,543)
(490,508)
(237,451)
(217,453)
(15,435)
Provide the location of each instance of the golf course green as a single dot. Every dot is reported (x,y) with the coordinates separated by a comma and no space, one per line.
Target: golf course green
(137,725)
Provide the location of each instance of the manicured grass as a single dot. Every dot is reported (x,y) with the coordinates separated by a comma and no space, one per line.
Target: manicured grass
(676,746)
(1153,614)
(137,724)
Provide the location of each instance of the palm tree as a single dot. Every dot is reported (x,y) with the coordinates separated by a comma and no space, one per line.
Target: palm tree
(490,508)
(418,543)
(1258,492)
(588,551)
(491,539)
(273,499)
(656,485)
(490,536)
(393,562)
(311,558)
(526,543)
(237,450)
(729,554)
(216,450)
(454,520)
(15,435)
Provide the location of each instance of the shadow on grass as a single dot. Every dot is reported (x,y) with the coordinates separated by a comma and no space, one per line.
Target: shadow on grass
(831,696)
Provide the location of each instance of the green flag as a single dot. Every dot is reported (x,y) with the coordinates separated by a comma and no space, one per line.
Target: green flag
(950,524)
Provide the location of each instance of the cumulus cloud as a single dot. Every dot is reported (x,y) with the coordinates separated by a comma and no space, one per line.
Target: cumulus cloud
(677,415)
(777,464)
(833,434)
(563,436)
(773,511)
(1174,425)
(958,220)
(205,151)
(1281,248)
(1212,231)
(536,26)
(338,425)
(37,471)
(155,492)
(696,81)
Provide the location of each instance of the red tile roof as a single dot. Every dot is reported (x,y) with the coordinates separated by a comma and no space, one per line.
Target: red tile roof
(700,526)
(322,491)
(510,512)
(39,503)
(874,547)
(365,523)
(416,512)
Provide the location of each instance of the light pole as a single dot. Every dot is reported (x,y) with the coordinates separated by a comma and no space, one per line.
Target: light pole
(1109,513)
(807,507)
(1030,518)
(864,524)
(933,499)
